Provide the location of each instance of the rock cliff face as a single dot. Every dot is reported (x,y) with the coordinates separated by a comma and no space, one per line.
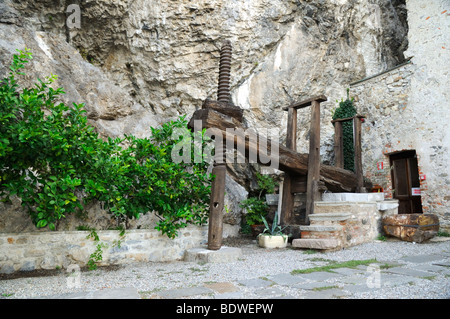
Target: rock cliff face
(159,59)
(138,63)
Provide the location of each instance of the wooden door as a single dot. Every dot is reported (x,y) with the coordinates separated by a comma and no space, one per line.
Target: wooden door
(406,182)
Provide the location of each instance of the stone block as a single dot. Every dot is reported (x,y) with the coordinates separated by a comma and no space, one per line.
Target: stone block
(320,228)
(329,217)
(323,244)
(223,255)
(411,227)
(353,197)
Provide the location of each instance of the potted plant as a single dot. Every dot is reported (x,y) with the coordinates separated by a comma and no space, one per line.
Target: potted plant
(272,237)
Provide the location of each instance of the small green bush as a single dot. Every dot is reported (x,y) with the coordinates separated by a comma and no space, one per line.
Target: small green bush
(56,163)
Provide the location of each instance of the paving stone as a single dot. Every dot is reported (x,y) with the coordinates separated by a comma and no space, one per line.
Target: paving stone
(319,275)
(423,258)
(444,263)
(313,285)
(119,293)
(270,291)
(331,293)
(348,271)
(184,292)
(408,272)
(389,280)
(355,280)
(284,297)
(286,279)
(255,283)
(230,295)
(222,287)
(432,268)
(360,288)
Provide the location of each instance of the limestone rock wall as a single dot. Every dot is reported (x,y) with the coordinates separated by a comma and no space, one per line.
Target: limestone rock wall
(161,57)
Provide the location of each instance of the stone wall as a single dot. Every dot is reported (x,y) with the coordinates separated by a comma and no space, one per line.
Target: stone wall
(383,99)
(52,250)
(407,108)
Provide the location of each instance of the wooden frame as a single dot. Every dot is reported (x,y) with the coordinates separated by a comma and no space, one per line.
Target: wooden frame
(313,172)
(339,148)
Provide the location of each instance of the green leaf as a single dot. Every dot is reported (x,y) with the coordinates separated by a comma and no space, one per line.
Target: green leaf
(42,223)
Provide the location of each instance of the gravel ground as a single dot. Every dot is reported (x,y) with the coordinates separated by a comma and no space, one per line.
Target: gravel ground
(256,262)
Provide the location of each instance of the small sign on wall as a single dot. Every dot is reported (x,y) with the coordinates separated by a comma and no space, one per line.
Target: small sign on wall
(380,166)
(415,191)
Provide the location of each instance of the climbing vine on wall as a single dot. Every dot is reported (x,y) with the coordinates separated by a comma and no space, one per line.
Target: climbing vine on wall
(347,109)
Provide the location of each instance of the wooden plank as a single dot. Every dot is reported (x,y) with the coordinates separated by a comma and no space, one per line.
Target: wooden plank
(287,201)
(224,108)
(212,119)
(348,118)
(312,187)
(338,145)
(299,186)
(358,155)
(291,133)
(305,103)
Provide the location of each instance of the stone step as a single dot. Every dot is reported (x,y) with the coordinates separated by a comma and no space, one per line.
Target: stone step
(320,228)
(344,207)
(387,205)
(353,197)
(318,217)
(323,244)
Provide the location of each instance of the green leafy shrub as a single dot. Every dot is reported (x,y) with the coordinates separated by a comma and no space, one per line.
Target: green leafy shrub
(56,163)
(347,109)
(256,205)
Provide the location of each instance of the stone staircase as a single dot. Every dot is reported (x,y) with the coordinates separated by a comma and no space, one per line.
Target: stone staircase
(342,220)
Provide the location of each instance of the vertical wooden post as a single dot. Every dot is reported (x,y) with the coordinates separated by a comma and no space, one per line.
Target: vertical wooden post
(287,197)
(338,145)
(291,133)
(312,184)
(358,156)
(215,227)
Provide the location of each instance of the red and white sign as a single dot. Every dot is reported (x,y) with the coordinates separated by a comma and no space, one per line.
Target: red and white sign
(415,191)
(380,166)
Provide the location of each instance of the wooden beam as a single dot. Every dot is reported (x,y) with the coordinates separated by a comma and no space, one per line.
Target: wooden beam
(299,184)
(305,103)
(215,224)
(312,186)
(358,155)
(287,201)
(224,108)
(291,132)
(336,179)
(348,118)
(338,145)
